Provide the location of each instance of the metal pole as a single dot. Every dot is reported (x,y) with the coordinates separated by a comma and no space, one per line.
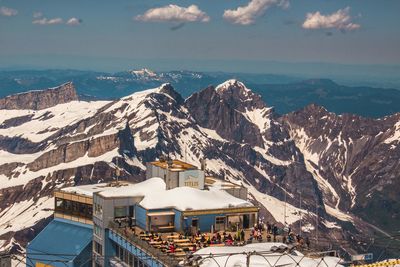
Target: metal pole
(248,259)
(300,216)
(316,222)
(284,219)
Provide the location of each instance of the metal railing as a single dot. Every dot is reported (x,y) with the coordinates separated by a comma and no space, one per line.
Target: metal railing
(157,254)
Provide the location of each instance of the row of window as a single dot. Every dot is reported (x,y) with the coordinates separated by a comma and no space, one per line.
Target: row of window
(124,211)
(131,260)
(98,209)
(74,208)
(97,230)
(98,248)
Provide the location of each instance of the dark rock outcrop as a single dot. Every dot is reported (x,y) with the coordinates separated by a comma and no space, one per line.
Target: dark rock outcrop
(37,100)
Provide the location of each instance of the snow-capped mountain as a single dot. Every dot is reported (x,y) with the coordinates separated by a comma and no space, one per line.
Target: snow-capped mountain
(314,155)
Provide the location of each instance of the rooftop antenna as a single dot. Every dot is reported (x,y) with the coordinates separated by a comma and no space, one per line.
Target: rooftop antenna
(284,207)
(316,221)
(117,171)
(300,216)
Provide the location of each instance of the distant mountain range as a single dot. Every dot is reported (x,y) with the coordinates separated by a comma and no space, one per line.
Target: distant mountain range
(284,93)
(339,174)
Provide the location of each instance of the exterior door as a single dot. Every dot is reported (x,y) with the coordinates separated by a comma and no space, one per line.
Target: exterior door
(246,221)
(220,223)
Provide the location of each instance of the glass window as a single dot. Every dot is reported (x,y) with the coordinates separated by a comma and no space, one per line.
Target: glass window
(220,220)
(126,256)
(120,212)
(97,248)
(97,230)
(59,204)
(98,209)
(130,260)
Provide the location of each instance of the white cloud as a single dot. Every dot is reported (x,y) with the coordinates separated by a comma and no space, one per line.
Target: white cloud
(8,12)
(40,20)
(46,21)
(37,15)
(341,20)
(246,15)
(174,13)
(74,21)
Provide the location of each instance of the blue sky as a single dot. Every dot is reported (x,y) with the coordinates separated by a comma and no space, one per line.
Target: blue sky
(114,35)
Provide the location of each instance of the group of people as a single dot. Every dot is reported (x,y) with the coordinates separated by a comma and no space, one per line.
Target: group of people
(286,234)
(201,240)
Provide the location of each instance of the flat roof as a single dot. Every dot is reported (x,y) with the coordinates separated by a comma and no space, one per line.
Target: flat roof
(141,189)
(218,183)
(188,198)
(177,165)
(155,195)
(89,189)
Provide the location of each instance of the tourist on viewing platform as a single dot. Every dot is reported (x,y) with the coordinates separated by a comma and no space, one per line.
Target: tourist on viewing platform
(219,238)
(268,228)
(242,234)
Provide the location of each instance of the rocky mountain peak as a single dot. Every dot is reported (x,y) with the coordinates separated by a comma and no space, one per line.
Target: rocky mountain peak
(230,85)
(41,99)
(237,95)
(169,90)
(314,108)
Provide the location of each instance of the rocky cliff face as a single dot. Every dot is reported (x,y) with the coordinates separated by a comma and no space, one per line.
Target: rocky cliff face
(37,100)
(355,160)
(337,165)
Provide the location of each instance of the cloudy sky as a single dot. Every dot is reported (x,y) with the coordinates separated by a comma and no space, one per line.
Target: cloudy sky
(187,34)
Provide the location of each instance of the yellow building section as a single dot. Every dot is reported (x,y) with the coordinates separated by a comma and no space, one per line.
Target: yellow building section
(73,197)
(388,263)
(228,211)
(73,218)
(39,264)
(177,165)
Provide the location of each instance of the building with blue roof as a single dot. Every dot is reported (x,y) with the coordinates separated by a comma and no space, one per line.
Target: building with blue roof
(109,224)
(61,243)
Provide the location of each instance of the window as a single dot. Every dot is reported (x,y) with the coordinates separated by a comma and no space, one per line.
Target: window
(130,260)
(74,208)
(97,230)
(98,248)
(220,220)
(120,252)
(98,209)
(120,212)
(220,223)
(59,203)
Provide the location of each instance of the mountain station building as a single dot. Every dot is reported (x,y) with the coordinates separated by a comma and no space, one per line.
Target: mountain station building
(97,225)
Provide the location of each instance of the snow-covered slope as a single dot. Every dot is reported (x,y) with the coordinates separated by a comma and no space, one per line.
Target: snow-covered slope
(229,126)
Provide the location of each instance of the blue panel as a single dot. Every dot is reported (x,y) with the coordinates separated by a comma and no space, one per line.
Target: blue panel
(108,247)
(140,216)
(205,221)
(60,243)
(177,221)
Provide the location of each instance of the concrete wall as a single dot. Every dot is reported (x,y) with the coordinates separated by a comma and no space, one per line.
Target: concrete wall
(238,192)
(103,220)
(192,178)
(176,178)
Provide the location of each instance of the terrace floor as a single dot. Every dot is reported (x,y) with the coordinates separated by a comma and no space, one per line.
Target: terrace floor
(178,246)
